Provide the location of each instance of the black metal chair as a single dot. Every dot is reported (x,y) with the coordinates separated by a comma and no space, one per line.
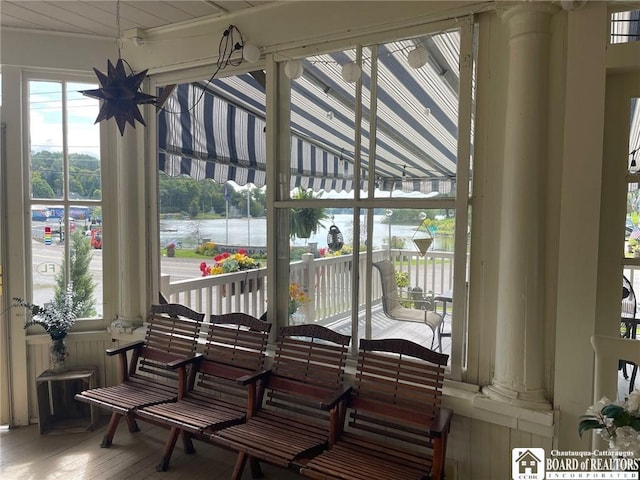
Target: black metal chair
(628,325)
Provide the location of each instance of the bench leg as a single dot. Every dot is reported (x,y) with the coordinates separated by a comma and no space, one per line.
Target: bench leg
(111,430)
(187,443)
(256,469)
(132,424)
(168,450)
(239,466)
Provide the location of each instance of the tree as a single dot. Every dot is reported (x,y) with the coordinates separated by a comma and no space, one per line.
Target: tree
(305,221)
(40,188)
(83,283)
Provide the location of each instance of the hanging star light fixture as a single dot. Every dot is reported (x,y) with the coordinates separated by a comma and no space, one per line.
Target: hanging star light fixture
(120,93)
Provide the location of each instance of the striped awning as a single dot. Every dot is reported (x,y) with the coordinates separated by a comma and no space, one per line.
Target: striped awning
(217,129)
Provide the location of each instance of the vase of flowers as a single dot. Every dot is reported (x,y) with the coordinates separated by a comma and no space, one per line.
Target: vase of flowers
(56,318)
(618,423)
(297,297)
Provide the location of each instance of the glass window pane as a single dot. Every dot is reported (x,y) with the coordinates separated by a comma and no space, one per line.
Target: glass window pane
(83,143)
(625,27)
(423,281)
(323,125)
(417,116)
(45,132)
(321,268)
(50,228)
(66,233)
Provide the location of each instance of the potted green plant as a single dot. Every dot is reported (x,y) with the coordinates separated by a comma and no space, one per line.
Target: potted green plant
(305,221)
(56,317)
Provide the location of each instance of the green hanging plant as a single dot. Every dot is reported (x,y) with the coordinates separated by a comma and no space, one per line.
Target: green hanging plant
(305,221)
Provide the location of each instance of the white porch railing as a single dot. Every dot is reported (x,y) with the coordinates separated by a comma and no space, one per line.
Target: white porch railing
(327,281)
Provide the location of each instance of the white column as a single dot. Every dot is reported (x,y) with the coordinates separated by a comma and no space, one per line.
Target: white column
(519,362)
(130,225)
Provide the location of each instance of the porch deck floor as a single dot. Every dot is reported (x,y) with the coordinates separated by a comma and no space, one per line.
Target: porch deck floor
(385,327)
(25,454)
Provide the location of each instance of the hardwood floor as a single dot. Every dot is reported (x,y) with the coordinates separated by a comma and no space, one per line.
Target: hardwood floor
(27,455)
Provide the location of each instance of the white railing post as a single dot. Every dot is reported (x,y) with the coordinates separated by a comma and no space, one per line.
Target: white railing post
(309,287)
(165,281)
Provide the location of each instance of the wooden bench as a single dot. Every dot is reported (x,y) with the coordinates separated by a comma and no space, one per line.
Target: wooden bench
(171,336)
(218,397)
(304,396)
(396,428)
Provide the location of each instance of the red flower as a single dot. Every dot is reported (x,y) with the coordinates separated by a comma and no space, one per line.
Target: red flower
(242,251)
(219,258)
(225,255)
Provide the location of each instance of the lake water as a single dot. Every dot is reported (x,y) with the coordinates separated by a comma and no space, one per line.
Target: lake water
(253,232)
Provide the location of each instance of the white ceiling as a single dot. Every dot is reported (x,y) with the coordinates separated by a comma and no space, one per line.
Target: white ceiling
(98,17)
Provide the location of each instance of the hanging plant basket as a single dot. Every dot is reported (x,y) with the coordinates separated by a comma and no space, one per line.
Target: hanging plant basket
(422,238)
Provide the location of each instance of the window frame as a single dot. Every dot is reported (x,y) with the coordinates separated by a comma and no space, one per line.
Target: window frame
(279,97)
(64,78)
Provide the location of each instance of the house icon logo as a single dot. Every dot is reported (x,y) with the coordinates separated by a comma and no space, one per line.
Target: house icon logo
(527,464)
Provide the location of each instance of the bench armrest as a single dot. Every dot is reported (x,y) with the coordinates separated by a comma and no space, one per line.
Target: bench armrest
(442,423)
(124,348)
(194,357)
(334,398)
(253,377)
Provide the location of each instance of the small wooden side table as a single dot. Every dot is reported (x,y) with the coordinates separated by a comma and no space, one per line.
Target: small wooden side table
(57,407)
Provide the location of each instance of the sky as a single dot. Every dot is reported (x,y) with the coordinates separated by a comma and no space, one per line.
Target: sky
(45,99)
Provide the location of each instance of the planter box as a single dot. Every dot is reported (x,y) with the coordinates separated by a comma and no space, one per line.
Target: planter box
(245,286)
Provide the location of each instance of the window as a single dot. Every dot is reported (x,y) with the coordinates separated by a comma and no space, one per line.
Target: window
(65,192)
(386,159)
(625,27)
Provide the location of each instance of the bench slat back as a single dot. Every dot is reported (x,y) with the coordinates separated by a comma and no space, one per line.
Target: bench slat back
(398,389)
(309,361)
(235,346)
(172,334)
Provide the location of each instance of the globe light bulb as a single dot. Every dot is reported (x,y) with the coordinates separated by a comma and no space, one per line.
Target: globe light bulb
(293,69)
(418,57)
(351,72)
(250,53)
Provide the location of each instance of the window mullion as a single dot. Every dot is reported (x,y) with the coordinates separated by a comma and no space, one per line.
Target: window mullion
(465,107)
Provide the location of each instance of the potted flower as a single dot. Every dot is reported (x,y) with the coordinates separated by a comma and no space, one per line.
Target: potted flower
(228,263)
(57,318)
(618,423)
(297,297)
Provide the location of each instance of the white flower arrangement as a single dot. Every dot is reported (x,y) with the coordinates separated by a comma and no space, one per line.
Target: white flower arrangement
(616,422)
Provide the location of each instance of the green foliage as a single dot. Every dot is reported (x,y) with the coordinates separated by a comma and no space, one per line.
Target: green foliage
(84,174)
(79,275)
(397,242)
(56,317)
(305,221)
(187,196)
(402,279)
(40,188)
(207,248)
